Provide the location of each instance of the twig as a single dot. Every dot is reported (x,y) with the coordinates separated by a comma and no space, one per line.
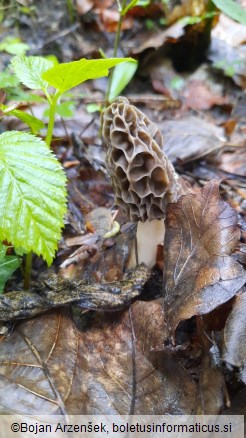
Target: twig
(57,292)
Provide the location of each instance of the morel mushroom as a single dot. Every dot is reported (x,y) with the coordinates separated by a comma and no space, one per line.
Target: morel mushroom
(143,178)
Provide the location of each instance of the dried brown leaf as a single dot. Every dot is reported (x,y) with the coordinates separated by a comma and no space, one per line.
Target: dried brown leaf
(83,6)
(49,366)
(212,393)
(234,161)
(191,138)
(199,274)
(234,348)
(156,40)
(227,49)
(200,96)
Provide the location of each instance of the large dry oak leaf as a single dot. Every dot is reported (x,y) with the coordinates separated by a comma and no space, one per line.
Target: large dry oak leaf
(199,273)
(111,365)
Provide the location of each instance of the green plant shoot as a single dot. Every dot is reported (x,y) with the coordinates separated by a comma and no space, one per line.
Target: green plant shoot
(33,200)
(39,73)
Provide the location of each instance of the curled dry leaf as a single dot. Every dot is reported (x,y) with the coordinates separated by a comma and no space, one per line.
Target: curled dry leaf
(234,161)
(48,365)
(234,348)
(199,274)
(191,138)
(212,393)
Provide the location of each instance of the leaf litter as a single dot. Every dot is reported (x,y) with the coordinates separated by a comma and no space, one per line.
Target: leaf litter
(124,360)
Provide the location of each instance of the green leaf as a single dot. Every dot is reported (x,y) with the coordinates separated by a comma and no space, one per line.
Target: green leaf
(34,123)
(3,249)
(18,95)
(7,266)
(66,109)
(232,9)
(128,7)
(33,194)
(29,70)
(93,108)
(122,75)
(196,19)
(142,3)
(8,80)
(69,75)
(14,46)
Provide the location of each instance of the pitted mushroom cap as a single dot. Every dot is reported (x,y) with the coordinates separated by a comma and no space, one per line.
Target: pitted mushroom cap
(143,178)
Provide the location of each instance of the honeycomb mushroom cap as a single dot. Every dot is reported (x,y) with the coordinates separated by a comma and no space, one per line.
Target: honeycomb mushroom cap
(143,178)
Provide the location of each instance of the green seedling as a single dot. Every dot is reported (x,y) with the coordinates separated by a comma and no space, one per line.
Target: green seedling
(196,19)
(122,75)
(39,74)
(229,68)
(33,198)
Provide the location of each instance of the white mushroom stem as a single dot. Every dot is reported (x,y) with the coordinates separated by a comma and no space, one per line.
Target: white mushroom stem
(149,235)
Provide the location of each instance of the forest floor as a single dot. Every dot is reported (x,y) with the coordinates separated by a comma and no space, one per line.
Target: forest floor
(188,355)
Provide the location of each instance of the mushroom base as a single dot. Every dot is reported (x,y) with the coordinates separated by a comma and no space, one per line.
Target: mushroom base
(149,235)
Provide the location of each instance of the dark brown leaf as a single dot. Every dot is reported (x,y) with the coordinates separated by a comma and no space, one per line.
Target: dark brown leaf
(199,274)
(156,40)
(48,365)
(191,138)
(199,96)
(212,391)
(234,161)
(234,348)
(238,405)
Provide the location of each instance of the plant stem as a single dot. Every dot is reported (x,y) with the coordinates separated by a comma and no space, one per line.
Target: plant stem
(70,8)
(28,268)
(52,114)
(116,44)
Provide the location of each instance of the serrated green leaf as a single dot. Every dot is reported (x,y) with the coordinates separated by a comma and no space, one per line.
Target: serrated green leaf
(69,75)
(19,251)
(232,9)
(29,70)
(7,266)
(33,194)
(122,75)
